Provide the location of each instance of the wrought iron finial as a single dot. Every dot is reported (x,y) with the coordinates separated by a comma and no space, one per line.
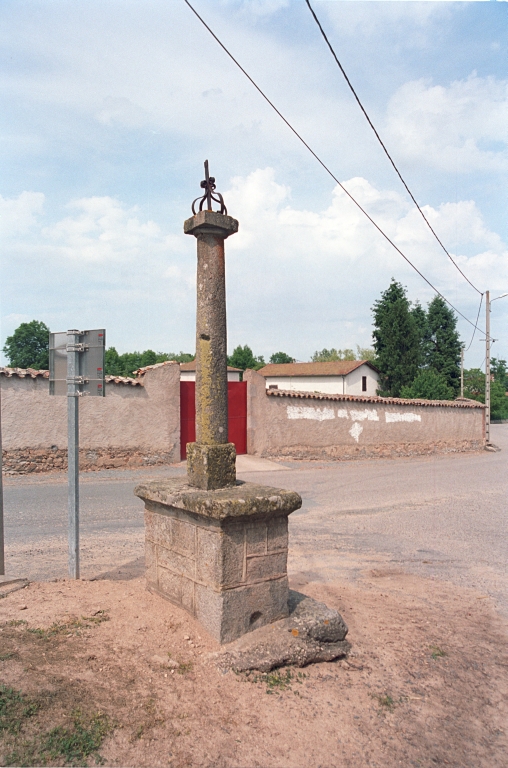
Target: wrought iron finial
(208,184)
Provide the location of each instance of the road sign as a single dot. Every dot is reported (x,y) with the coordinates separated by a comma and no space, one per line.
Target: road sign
(89,376)
(76,369)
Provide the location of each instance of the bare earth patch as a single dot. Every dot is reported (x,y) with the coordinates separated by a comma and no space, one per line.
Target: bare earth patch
(426,682)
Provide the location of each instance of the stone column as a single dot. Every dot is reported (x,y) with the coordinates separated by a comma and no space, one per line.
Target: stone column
(215,546)
(211,459)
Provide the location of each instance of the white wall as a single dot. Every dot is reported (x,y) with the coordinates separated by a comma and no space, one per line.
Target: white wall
(354,381)
(351,384)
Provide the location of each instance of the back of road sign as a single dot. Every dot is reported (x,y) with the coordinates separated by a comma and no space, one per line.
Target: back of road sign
(90,376)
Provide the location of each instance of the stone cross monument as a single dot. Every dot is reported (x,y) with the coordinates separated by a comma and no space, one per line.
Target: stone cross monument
(215,546)
(211,459)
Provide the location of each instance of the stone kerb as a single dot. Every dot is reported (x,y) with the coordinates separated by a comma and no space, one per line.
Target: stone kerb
(221,555)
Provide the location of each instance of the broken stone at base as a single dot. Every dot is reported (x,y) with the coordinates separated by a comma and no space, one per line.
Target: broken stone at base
(312,633)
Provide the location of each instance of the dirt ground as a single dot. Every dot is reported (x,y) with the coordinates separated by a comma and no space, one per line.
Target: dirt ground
(426,683)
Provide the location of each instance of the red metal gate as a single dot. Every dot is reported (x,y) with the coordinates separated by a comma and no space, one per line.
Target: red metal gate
(237,415)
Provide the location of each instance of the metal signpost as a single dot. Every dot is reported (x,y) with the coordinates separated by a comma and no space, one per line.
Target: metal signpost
(76,369)
(2,550)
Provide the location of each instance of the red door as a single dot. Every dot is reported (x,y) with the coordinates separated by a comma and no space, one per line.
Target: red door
(237,415)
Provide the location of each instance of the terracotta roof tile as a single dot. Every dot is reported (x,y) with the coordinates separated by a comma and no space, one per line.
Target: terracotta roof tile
(332,368)
(458,403)
(23,373)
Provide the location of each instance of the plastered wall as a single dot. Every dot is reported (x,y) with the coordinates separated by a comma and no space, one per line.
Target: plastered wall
(352,427)
(131,425)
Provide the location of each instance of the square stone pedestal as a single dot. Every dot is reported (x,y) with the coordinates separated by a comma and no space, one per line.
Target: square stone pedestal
(221,555)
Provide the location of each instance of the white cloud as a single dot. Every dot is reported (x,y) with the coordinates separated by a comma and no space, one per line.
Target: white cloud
(297,279)
(18,215)
(457,128)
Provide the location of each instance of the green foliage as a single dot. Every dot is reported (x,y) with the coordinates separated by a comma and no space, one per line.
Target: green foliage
(474,384)
(281,357)
(397,340)
(442,345)
(129,362)
(499,372)
(365,353)
(428,385)
(474,388)
(28,347)
(243,358)
(331,355)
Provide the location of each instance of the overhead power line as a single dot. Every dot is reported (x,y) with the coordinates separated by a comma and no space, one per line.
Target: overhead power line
(476,324)
(378,137)
(256,86)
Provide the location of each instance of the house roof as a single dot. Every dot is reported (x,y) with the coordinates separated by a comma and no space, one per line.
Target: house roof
(31,373)
(332,368)
(460,402)
(192,367)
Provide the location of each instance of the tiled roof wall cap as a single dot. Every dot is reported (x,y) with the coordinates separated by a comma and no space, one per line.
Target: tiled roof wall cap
(458,403)
(142,371)
(22,373)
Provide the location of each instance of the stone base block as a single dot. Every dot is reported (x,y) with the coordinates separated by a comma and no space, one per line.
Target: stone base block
(221,555)
(211,466)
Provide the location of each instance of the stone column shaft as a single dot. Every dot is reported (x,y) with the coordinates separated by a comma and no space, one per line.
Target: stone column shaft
(211,342)
(211,459)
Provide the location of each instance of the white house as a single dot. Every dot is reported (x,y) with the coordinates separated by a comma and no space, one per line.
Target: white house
(188,372)
(340,377)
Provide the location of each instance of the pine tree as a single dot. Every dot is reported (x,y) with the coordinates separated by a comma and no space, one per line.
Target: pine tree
(396,340)
(442,352)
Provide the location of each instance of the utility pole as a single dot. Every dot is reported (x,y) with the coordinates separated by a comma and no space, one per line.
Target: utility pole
(487,367)
(462,371)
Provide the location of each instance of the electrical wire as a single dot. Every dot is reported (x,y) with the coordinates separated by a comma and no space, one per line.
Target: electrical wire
(256,86)
(385,149)
(476,324)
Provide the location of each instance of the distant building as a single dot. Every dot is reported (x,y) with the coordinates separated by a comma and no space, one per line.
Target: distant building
(340,377)
(188,372)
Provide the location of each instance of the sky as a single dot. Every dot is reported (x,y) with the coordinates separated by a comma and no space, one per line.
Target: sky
(110,107)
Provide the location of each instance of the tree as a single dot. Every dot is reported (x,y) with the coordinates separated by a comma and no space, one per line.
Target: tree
(396,340)
(428,385)
(28,347)
(442,346)
(129,362)
(499,372)
(281,357)
(474,388)
(243,358)
(365,353)
(330,355)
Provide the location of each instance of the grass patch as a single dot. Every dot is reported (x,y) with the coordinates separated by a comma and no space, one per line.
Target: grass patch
(277,680)
(15,708)
(15,622)
(184,667)
(7,655)
(73,626)
(385,701)
(436,652)
(70,744)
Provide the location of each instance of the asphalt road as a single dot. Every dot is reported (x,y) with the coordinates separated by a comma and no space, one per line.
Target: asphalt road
(443,517)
